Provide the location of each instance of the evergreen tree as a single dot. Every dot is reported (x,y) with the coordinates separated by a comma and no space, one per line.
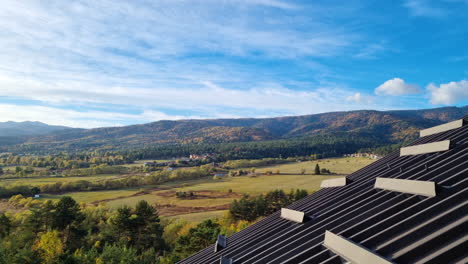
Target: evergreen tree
(198,238)
(5,225)
(149,229)
(66,212)
(317,169)
(67,218)
(116,254)
(41,218)
(123,223)
(275,201)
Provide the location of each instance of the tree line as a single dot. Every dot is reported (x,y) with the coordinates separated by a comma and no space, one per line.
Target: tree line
(66,232)
(64,161)
(326,145)
(154,178)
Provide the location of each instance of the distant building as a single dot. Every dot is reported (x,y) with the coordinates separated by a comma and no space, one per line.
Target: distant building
(202,156)
(363,155)
(37,196)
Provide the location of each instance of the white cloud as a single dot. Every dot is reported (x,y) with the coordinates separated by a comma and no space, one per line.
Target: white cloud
(396,86)
(208,97)
(57,116)
(359,98)
(448,93)
(424,8)
(83,119)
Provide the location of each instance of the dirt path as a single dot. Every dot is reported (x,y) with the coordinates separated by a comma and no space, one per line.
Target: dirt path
(172,193)
(171,210)
(148,191)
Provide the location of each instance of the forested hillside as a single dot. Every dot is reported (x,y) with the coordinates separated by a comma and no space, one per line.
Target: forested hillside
(375,128)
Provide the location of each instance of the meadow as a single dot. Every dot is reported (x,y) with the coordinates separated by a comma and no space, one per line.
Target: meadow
(36,181)
(335,165)
(210,197)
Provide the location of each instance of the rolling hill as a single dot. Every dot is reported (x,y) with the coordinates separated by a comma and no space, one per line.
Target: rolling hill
(387,127)
(27,128)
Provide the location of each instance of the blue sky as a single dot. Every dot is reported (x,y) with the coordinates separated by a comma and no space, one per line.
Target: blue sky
(105,63)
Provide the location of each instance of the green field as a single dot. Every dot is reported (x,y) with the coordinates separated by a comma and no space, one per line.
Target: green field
(338,166)
(261,184)
(36,181)
(213,196)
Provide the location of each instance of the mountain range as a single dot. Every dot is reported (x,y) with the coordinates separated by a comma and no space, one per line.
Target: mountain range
(27,128)
(385,126)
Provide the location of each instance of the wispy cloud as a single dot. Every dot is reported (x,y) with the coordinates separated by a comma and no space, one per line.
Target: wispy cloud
(209,99)
(360,98)
(370,51)
(269,3)
(82,119)
(424,8)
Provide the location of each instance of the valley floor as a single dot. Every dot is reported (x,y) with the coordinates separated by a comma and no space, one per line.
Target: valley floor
(210,197)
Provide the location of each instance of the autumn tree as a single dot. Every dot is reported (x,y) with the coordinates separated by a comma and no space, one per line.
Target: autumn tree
(50,246)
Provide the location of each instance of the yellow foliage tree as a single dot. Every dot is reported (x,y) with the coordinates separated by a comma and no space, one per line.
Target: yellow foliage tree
(185,229)
(50,246)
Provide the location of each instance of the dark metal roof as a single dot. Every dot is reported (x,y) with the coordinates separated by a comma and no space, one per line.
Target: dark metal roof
(399,227)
